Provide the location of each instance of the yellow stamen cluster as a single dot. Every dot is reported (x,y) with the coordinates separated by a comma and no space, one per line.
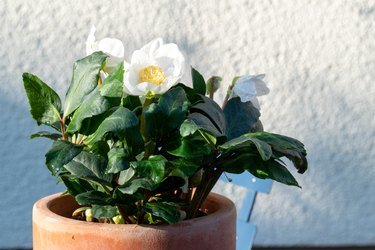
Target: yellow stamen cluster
(151,74)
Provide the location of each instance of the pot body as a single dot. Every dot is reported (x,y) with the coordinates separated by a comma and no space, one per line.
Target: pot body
(54,230)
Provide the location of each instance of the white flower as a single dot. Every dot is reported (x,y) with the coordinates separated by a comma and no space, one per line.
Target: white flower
(248,87)
(112,47)
(154,69)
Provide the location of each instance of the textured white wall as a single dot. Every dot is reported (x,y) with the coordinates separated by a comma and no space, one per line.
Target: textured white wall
(319,57)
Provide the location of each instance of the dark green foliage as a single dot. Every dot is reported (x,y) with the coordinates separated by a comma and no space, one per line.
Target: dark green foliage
(46,134)
(89,165)
(167,115)
(93,197)
(153,168)
(104,211)
(102,99)
(125,125)
(241,117)
(140,157)
(117,160)
(45,104)
(84,81)
(199,84)
(134,185)
(61,153)
(163,210)
(260,153)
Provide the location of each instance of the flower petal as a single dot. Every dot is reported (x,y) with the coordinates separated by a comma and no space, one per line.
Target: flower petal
(152,46)
(169,50)
(245,88)
(260,86)
(103,75)
(255,103)
(167,65)
(248,87)
(112,47)
(91,44)
(167,57)
(141,59)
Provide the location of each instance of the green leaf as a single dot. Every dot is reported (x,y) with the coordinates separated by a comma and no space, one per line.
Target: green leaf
(171,200)
(125,176)
(87,164)
(241,160)
(113,85)
(210,109)
(165,211)
(274,170)
(238,163)
(84,81)
(72,184)
(45,134)
(102,99)
(91,124)
(156,121)
(286,146)
(190,128)
(131,102)
(93,198)
(170,183)
(163,117)
(264,149)
(299,159)
(153,168)
(199,84)
(265,167)
(192,96)
(191,149)
(183,168)
(45,104)
(205,123)
(95,105)
(124,124)
(100,148)
(117,160)
(174,100)
(281,141)
(240,117)
(61,153)
(100,212)
(246,141)
(133,186)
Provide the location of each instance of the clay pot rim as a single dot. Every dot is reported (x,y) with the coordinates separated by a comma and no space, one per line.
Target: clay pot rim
(43,205)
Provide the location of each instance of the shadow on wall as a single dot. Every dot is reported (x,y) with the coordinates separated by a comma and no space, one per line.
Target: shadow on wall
(24,178)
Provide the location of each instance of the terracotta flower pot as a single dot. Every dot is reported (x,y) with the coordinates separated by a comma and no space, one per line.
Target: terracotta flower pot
(54,230)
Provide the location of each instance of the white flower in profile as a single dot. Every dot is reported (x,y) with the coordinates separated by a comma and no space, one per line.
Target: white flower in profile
(154,69)
(111,46)
(248,87)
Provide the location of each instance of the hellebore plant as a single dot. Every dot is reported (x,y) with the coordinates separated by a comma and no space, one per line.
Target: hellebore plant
(135,145)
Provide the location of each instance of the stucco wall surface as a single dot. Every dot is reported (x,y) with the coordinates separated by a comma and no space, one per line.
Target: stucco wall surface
(319,58)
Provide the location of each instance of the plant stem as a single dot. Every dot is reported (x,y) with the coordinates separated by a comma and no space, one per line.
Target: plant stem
(63,131)
(141,217)
(123,214)
(212,90)
(208,181)
(146,136)
(227,96)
